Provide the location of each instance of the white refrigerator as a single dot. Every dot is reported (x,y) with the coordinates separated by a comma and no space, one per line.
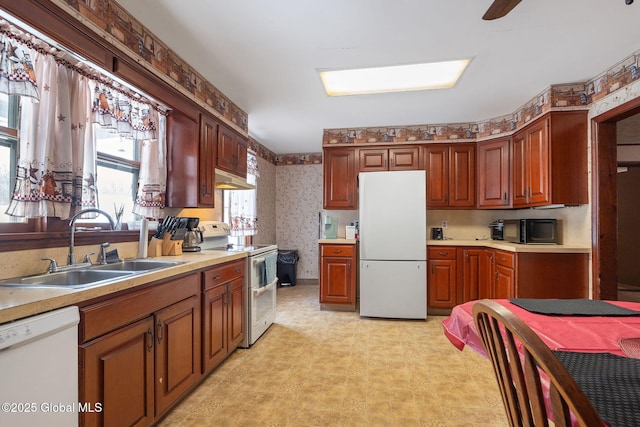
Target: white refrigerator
(393,244)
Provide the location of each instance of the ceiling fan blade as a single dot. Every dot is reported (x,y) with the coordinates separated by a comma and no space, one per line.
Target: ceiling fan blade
(499,8)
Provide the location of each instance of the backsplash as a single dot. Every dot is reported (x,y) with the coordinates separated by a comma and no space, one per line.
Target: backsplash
(29,262)
(573,222)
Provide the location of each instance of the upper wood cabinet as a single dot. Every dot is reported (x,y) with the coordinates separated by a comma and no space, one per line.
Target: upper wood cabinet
(183,189)
(339,178)
(494,180)
(389,159)
(450,175)
(206,161)
(549,161)
(232,152)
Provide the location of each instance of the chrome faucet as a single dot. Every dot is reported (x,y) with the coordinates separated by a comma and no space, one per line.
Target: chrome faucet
(72,230)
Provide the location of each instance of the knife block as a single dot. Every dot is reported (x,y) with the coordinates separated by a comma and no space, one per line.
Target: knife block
(155,247)
(171,247)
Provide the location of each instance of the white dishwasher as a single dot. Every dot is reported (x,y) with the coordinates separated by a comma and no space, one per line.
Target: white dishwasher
(39,370)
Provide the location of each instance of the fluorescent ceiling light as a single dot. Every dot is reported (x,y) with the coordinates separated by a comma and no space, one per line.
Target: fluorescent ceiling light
(397,78)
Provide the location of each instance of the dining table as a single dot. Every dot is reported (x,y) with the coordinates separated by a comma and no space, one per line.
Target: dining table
(598,340)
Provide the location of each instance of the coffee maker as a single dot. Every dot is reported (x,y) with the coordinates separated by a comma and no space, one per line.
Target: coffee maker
(193,237)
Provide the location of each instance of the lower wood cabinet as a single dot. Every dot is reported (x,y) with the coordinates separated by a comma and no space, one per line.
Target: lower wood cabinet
(442,277)
(460,274)
(338,263)
(140,352)
(223,312)
(504,275)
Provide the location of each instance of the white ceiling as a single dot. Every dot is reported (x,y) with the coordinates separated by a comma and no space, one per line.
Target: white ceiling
(264,55)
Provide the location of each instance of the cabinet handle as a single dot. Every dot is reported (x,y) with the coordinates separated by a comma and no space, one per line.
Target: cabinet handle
(237,270)
(150,340)
(159,334)
(466,258)
(503,259)
(337,251)
(443,253)
(432,269)
(214,278)
(505,196)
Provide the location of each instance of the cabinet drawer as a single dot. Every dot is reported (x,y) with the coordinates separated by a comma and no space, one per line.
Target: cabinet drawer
(337,250)
(103,317)
(222,274)
(441,252)
(506,259)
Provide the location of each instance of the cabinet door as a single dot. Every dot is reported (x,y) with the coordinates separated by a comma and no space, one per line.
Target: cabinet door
(504,282)
(462,176)
(404,158)
(441,291)
(373,159)
(214,344)
(520,169)
(207,161)
(538,163)
(182,157)
(339,179)
(236,318)
(493,174)
(241,156)
(117,369)
(473,273)
(227,150)
(337,278)
(437,165)
(177,333)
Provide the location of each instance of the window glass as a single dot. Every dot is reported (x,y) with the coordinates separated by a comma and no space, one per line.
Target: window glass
(116,190)
(8,154)
(109,142)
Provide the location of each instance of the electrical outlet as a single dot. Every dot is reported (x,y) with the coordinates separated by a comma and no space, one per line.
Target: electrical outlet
(444,223)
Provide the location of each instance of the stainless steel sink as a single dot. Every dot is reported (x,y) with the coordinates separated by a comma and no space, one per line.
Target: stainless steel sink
(136,265)
(89,276)
(68,279)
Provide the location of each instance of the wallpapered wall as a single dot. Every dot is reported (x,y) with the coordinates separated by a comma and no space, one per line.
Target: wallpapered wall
(298,203)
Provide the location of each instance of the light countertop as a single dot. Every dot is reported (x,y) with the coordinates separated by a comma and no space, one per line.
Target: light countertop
(512,247)
(338,241)
(19,302)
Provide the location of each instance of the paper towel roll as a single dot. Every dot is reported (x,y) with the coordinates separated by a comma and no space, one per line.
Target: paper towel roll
(143,241)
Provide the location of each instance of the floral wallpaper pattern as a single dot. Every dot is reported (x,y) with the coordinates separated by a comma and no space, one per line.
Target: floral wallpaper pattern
(298,203)
(266,203)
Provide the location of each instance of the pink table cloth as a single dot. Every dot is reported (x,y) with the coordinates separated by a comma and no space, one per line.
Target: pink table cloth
(590,334)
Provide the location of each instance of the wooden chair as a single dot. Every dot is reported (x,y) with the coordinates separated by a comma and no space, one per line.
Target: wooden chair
(516,353)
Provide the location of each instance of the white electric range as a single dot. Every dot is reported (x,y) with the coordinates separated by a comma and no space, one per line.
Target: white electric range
(260,277)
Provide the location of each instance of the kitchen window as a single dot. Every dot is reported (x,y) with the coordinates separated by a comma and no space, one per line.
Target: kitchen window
(118,166)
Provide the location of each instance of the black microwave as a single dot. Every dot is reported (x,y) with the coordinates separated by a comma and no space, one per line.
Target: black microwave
(531,231)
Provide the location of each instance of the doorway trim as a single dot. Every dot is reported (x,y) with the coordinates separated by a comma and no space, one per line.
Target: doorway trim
(604,206)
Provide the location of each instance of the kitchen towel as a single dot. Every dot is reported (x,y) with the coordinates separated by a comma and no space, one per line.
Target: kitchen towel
(270,267)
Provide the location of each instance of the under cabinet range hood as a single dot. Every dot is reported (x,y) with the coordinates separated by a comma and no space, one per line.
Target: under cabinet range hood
(229,181)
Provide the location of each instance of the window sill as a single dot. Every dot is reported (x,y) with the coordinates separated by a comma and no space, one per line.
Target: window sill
(10,242)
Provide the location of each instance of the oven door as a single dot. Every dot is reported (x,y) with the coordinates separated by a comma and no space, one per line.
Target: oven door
(263,269)
(262,310)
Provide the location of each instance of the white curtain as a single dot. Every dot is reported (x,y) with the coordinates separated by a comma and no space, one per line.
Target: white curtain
(56,165)
(17,76)
(152,182)
(241,210)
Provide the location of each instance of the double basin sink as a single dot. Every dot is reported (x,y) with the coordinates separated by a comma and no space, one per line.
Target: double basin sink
(85,277)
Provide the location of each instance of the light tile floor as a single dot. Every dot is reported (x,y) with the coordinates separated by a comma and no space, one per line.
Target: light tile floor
(325,368)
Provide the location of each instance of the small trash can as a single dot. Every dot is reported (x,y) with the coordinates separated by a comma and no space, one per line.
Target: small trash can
(286,267)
